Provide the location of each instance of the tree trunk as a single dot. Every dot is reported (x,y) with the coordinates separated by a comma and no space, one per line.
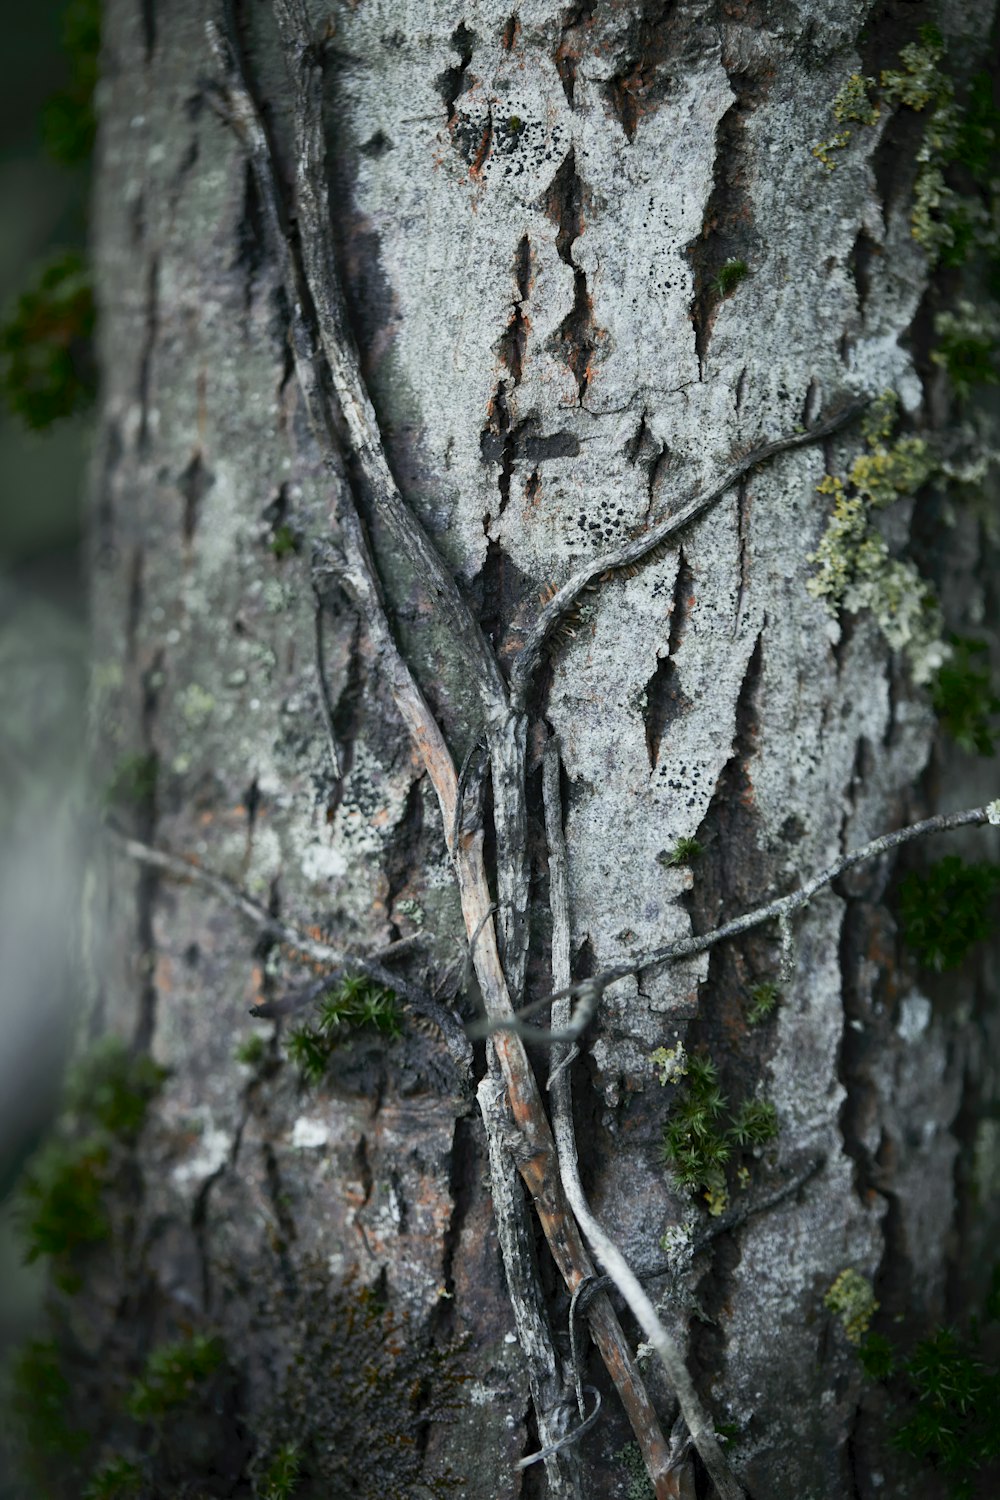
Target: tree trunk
(589,260)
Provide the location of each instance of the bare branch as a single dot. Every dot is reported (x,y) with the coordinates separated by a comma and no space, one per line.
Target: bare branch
(564,598)
(267,924)
(780,909)
(698,1421)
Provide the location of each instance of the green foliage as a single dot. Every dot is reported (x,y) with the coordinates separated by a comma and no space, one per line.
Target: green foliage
(46,362)
(68,124)
(133,782)
(729,277)
(763,1002)
(173,1375)
(117,1478)
(948,1413)
(852,1299)
(60,1206)
(114,1087)
(702,1132)
(251,1051)
(282,1474)
(283,541)
(946,910)
(968,345)
(357,1004)
(684,852)
(963,696)
(38,1397)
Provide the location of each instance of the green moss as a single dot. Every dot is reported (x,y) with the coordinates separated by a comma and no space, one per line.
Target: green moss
(68,124)
(852,1299)
(281,1476)
(283,541)
(702,1132)
(945,1402)
(173,1376)
(968,347)
(46,358)
(114,1087)
(763,1002)
(947,909)
(117,1478)
(355,1005)
(60,1207)
(729,277)
(133,782)
(684,852)
(44,1438)
(963,696)
(252,1051)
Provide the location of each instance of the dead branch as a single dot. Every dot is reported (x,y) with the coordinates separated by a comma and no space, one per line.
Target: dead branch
(565,597)
(699,1423)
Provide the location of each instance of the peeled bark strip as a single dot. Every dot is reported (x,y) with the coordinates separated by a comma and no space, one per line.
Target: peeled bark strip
(539,474)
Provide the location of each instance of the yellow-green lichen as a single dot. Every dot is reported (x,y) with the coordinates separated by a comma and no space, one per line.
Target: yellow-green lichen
(670,1063)
(854,569)
(852,101)
(851,1298)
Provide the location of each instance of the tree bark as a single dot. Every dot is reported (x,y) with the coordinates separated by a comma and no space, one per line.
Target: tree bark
(531,209)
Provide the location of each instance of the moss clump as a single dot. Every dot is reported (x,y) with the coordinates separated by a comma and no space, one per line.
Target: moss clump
(731,273)
(68,124)
(173,1375)
(61,1199)
(133,782)
(281,1477)
(684,852)
(946,910)
(61,1207)
(114,1087)
(252,1051)
(852,1299)
(117,1478)
(854,569)
(945,1411)
(37,1398)
(968,347)
(357,1004)
(46,359)
(283,541)
(963,696)
(763,1002)
(703,1132)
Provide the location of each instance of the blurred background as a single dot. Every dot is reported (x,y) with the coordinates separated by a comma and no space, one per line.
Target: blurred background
(45,134)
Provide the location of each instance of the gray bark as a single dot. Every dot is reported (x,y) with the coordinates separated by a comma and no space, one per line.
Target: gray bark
(529,205)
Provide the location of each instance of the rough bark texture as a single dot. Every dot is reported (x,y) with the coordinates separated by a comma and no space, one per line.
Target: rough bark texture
(533,204)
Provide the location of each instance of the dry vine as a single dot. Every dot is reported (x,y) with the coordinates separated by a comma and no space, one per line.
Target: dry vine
(364,494)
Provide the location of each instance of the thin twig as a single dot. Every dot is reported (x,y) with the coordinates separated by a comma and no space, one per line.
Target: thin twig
(324,689)
(563,600)
(698,1421)
(779,909)
(536,1150)
(271,926)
